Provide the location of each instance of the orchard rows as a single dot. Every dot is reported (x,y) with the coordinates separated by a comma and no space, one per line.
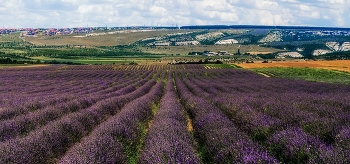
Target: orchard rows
(169,114)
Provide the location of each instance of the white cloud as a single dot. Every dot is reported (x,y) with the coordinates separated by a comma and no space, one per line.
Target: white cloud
(74,13)
(290,1)
(332,1)
(266,5)
(157,11)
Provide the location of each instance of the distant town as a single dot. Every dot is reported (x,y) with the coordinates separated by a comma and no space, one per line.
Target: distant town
(69,31)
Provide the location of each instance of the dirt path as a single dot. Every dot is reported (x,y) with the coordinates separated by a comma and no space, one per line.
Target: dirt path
(263,74)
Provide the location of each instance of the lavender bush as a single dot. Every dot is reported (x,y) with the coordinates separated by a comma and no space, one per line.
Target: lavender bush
(118,136)
(101,114)
(168,140)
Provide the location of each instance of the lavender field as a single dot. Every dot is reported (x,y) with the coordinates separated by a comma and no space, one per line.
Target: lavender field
(169,114)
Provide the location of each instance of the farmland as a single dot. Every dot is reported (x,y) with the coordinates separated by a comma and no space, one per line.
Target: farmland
(340,65)
(126,96)
(130,45)
(169,114)
(107,39)
(309,74)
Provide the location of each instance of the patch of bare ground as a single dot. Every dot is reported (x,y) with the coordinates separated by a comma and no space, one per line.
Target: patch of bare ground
(189,124)
(263,74)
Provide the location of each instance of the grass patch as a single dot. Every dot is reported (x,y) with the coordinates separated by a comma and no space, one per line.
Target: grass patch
(308,74)
(11,51)
(216,66)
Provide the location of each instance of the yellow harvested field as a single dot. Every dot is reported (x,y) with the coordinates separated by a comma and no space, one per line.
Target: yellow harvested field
(341,65)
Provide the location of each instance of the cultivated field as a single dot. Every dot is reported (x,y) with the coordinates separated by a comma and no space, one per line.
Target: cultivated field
(169,114)
(341,65)
(99,40)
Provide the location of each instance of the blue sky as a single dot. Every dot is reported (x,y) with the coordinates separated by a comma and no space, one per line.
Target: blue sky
(82,13)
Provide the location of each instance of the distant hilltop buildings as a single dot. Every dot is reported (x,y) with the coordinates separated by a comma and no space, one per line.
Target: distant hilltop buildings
(68,31)
(49,32)
(15,30)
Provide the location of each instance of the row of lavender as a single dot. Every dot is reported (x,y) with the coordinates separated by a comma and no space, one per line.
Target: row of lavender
(25,89)
(24,123)
(19,100)
(296,121)
(46,133)
(115,115)
(102,68)
(168,139)
(120,139)
(220,140)
(116,139)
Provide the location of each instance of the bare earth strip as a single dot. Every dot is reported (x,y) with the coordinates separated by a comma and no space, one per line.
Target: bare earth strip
(340,65)
(263,74)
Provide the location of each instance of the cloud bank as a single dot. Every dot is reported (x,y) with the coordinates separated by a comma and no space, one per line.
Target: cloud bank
(82,13)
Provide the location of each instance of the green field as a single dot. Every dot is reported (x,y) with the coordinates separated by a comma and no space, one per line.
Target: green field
(309,74)
(217,66)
